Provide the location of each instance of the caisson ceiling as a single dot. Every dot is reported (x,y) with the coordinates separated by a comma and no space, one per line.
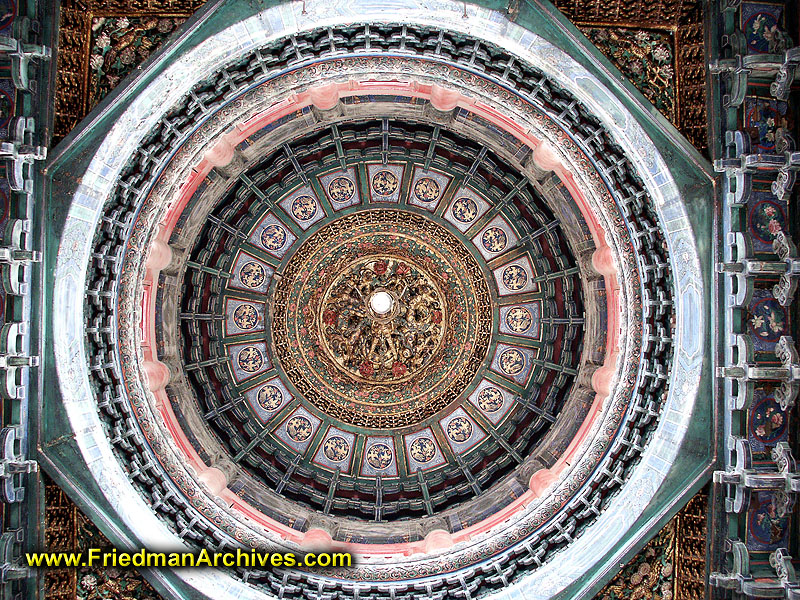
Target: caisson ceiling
(417,282)
(356,412)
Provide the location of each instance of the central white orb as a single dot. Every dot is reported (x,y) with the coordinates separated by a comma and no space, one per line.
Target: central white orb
(381,302)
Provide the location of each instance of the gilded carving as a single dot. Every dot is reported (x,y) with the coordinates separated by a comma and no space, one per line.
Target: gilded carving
(388,369)
(391,347)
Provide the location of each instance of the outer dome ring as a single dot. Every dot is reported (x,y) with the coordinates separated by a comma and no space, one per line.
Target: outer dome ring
(549,505)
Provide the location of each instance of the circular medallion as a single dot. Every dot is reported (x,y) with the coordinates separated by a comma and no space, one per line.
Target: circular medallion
(304,208)
(336,448)
(766,219)
(270,398)
(768,320)
(459,429)
(341,189)
(245,316)
(250,359)
(760,31)
(273,237)
(519,319)
(512,361)
(465,210)
(515,278)
(299,429)
(490,399)
(426,189)
(379,456)
(384,183)
(365,319)
(252,275)
(422,450)
(767,421)
(494,239)
(8,10)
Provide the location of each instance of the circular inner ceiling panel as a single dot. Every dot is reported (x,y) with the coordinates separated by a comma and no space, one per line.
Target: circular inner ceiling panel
(390,369)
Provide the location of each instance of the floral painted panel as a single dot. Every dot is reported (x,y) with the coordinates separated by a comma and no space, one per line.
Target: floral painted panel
(768,425)
(767,320)
(768,521)
(761,24)
(766,216)
(646,58)
(762,118)
(118,45)
(8,11)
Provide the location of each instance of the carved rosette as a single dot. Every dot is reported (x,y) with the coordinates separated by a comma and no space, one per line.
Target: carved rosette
(382,371)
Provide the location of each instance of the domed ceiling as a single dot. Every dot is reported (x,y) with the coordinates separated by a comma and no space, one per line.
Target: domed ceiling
(383,340)
(408,284)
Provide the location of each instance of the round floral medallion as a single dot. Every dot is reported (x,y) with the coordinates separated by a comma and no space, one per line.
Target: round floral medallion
(427,189)
(768,421)
(414,355)
(270,398)
(459,429)
(250,359)
(766,219)
(422,450)
(512,361)
(384,183)
(515,278)
(465,210)
(304,208)
(245,316)
(768,320)
(252,275)
(519,319)
(299,428)
(273,237)
(8,10)
(341,189)
(761,31)
(336,448)
(490,399)
(494,239)
(379,456)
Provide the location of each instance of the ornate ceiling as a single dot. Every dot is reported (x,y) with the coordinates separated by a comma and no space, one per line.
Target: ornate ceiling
(414,407)
(417,287)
